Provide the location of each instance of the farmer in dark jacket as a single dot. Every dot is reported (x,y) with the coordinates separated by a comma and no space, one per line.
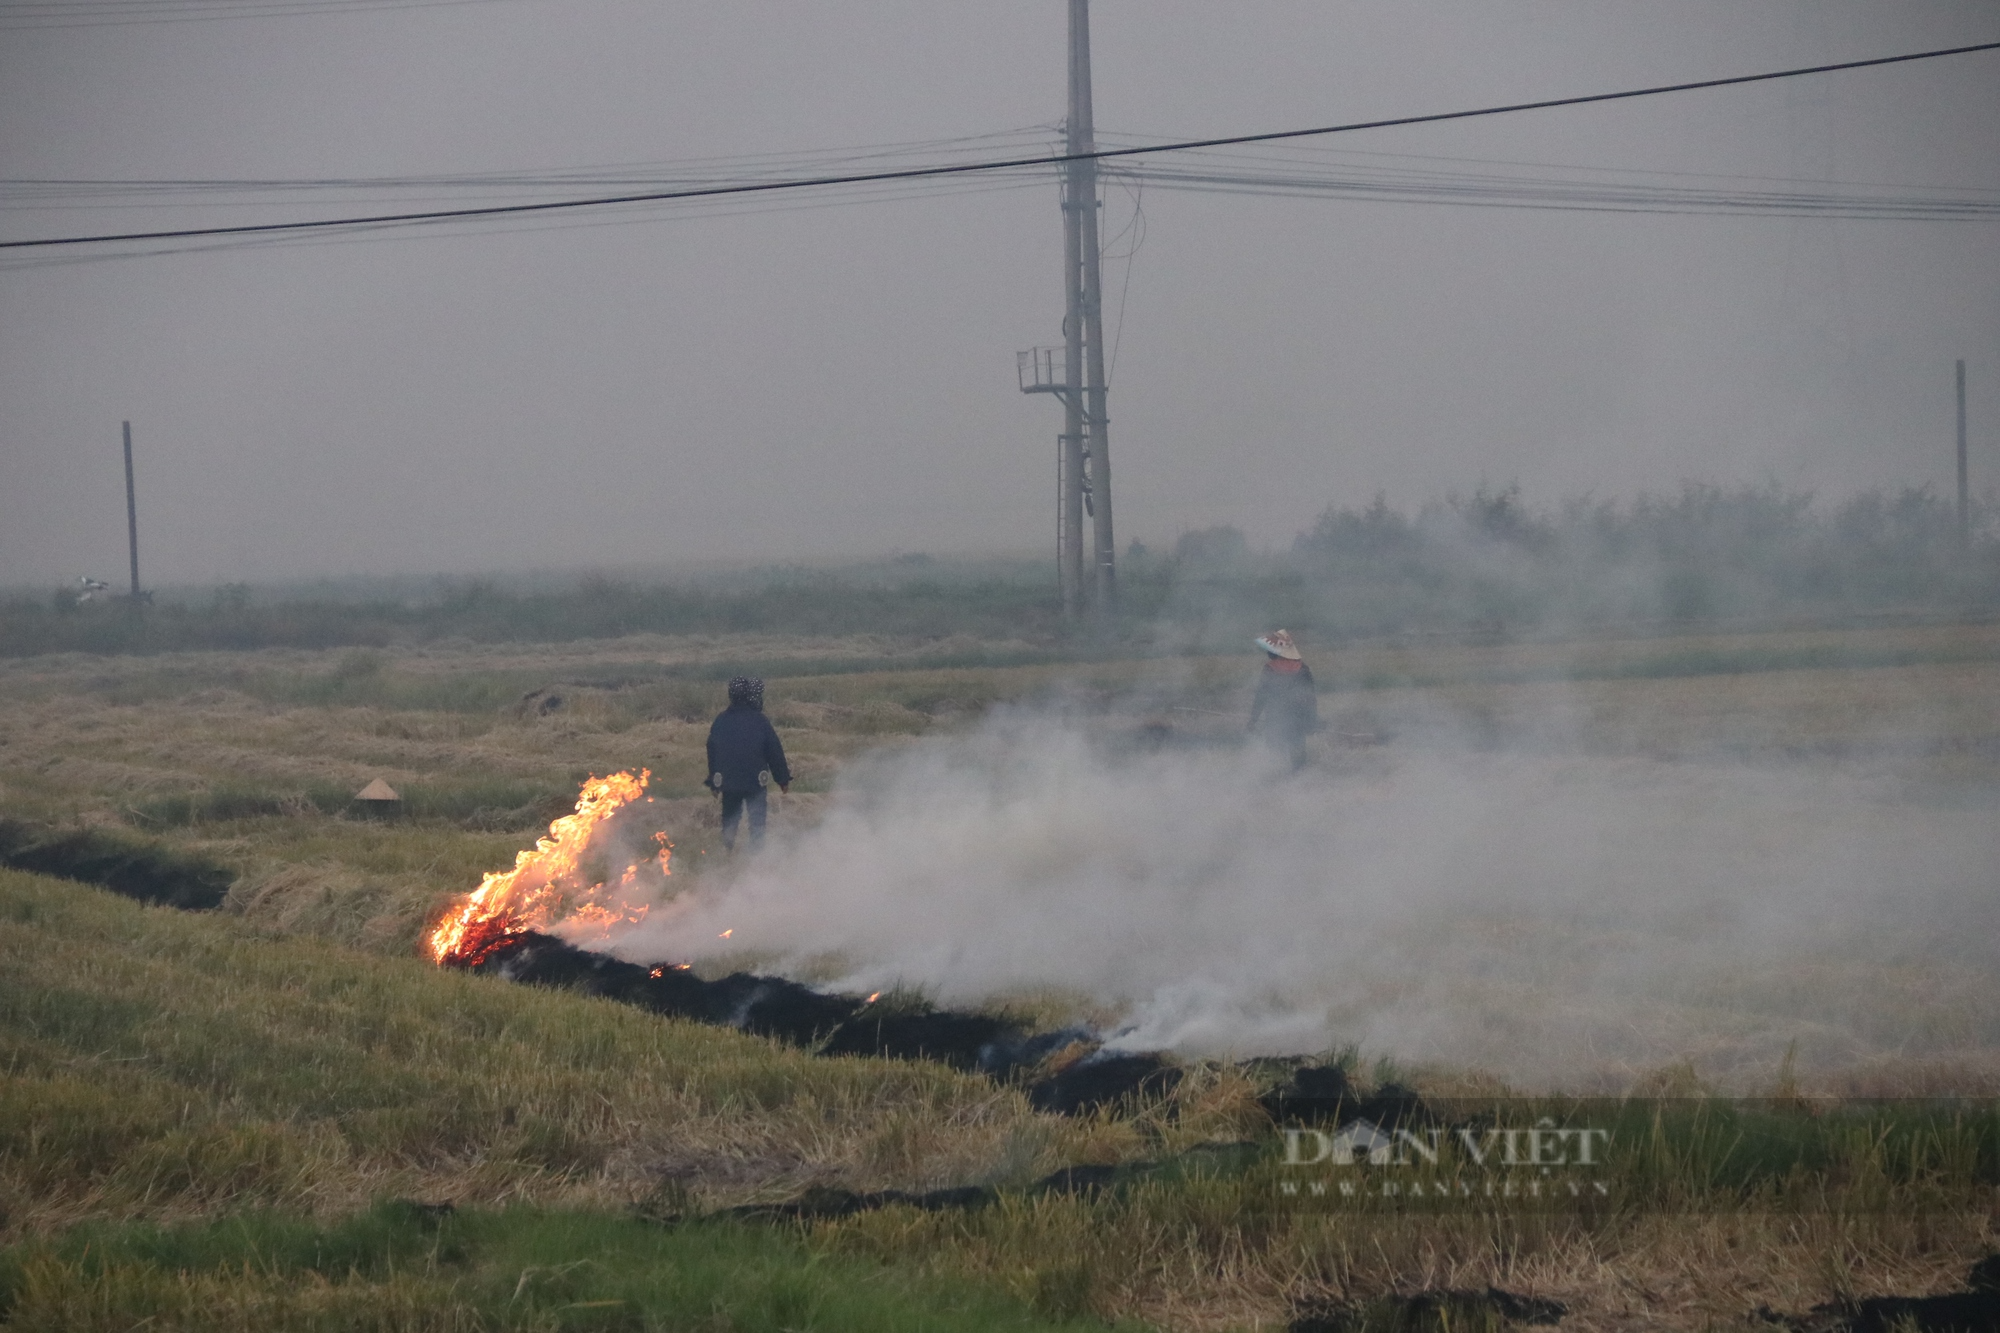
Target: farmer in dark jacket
(744,756)
(1286,709)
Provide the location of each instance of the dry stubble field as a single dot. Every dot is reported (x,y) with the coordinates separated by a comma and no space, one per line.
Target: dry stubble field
(246,758)
(249,756)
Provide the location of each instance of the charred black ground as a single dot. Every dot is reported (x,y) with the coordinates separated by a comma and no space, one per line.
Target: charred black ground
(840,1025)
(1439,1311)
(824,1203)
(129,866)
(1321,1095)
(1974,1310)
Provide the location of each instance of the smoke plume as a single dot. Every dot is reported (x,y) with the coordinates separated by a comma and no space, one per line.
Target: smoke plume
(1553,916)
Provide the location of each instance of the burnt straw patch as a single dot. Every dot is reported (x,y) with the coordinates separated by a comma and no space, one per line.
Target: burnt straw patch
(1438,1311)
(123,864)
(767,1006)
(825,1203)
(1973,1310)
(1104,1080)
(839,1025)
(1322,1095)
(963,1041)
(775,1007)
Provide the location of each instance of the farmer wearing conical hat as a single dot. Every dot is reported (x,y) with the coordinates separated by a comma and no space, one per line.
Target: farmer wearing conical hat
(1286,709)
(744,757)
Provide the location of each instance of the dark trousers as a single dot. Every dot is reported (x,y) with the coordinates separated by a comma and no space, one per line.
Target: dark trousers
(1287,741)
(733,805)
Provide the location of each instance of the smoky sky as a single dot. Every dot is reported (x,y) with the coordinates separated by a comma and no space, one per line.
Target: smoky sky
(813,382)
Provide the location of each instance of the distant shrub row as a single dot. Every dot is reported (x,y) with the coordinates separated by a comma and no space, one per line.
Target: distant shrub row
(1493,562)
(486,612)
(1488,562)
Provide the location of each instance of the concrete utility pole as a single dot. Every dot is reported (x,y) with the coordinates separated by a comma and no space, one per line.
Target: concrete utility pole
(1082,204)
(131,512)
(1069,540)
(1083,451)
(1964,498)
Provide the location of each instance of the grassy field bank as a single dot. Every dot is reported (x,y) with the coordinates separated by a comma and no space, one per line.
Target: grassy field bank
(164,1068)
(165,1065)
(166,1060)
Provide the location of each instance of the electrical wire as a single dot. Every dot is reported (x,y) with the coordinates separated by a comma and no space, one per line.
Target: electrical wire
(89,194)
(1015,164)
(45,16)
(699,210)
(1292,169)
(1571,195)
(1321,155)
(1137,229)
(691,170)
(1415,178)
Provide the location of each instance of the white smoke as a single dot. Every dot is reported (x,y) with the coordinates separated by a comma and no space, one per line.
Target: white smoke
(1550,915)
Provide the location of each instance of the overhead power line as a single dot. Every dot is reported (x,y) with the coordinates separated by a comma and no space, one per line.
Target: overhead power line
(704,209)
(969,168)
(48,15)
(1583,190)
(682,174)
(1343,175)
(1285,170)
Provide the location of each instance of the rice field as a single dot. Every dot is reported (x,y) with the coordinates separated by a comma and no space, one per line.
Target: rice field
(288,1057)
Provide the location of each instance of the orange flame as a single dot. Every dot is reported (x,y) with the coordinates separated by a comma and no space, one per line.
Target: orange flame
(550,885)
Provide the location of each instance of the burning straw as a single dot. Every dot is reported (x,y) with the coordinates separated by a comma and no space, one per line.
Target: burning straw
(560,886)
(546,921)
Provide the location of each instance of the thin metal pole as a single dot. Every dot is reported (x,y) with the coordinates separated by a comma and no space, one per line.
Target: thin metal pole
(1065,542)
(131,512)
(1083,202)
(1964,495)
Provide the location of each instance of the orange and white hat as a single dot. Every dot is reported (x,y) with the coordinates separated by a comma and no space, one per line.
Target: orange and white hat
(1278,643)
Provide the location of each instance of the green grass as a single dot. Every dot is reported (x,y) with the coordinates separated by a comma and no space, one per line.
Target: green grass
(400,1267)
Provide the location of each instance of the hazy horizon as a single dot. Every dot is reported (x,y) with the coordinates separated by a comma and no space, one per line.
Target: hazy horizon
(1008,565)
(836,383)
